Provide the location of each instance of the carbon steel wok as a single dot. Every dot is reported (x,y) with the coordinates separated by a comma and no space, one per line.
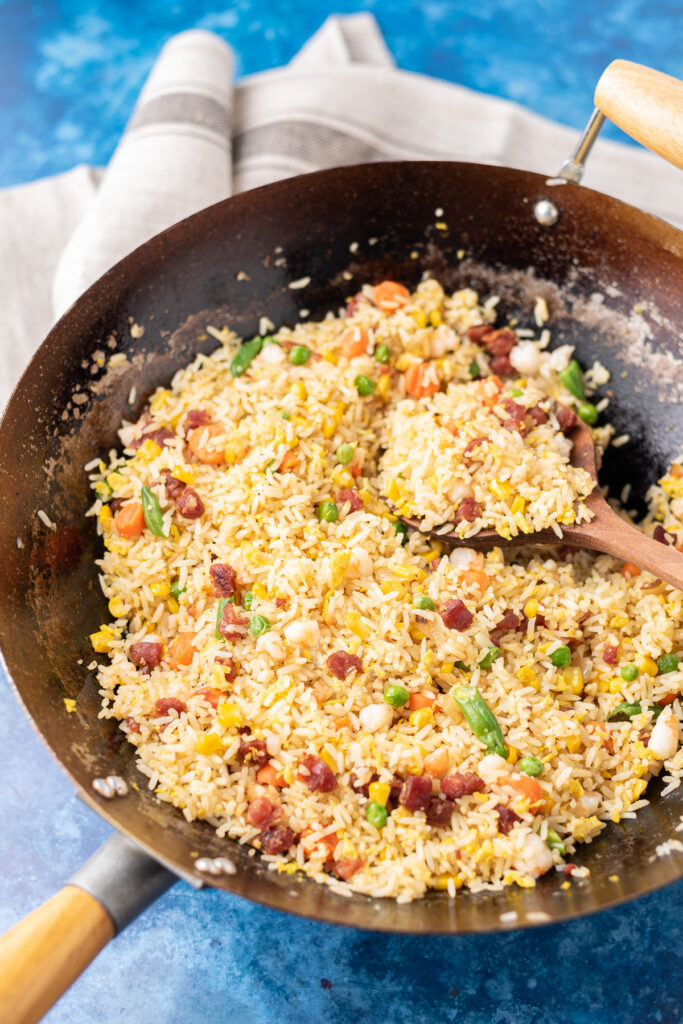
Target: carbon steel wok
(613,280)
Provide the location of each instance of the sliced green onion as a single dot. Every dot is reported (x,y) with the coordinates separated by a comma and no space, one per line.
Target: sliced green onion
(480,718)
(572,378)
(154,517)
(245,356)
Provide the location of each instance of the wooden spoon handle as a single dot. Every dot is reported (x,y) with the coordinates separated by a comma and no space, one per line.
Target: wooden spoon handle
(44,954)
(646,104)
(610,533)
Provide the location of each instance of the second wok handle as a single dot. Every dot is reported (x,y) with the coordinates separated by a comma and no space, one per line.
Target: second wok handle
(41,956)
(646,104)
(44,954)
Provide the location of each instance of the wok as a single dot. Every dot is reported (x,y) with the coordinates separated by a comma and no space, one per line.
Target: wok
(613,280)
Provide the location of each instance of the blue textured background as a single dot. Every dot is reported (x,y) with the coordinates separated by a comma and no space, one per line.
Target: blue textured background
(69,76)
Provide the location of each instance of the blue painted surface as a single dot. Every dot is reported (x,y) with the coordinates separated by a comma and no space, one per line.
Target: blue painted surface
(69,75)
(70,71)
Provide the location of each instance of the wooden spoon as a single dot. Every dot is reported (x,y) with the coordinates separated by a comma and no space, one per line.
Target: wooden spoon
(606,531)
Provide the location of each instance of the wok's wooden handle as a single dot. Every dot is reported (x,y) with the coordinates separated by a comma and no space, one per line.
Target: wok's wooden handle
(646,104)
(44,954)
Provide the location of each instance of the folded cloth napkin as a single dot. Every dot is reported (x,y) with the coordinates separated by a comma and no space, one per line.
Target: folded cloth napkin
(196,137)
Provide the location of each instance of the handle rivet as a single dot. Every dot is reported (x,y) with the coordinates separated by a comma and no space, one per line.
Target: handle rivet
(546,213)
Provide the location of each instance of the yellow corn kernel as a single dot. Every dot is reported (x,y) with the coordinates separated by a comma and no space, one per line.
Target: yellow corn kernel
(329,760)
(229,715)
(342,478)
(441,882)
(416,635)
(300,391)
(209,743)
(379,792)
(329,355)
(435,551)
(523,881)
(395,489)
(447,667)
(531,608)
(619,621)
(102,490)
(421,718)
(117,607)
(162,589)
(639,787)
(392,587)
(573,744)
(513,754)
(405,361)
(186,475)
(105,516)
(353,622)
(526,674)
(481,798)
(116,547)
(148,450)
(520,382)
(614,685)
(70,705)
(567,517)
(573,679)
(502,489)
(409,572)
(518,505)
(115,480)
(101,641)
(435,318)
(646,665)
(419,316)
(616,817)
(172,605)
(259,591)
(384,387)
(575,788)
(234,450)
(159,401)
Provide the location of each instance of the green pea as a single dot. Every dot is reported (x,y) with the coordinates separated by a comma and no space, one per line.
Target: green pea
(474,369)
(364,385)
(299,355)
(248,599)
(493,654)
(176,590)
(245,356)
(328,512)
(154,517)
(587,412)
(667,663)
(259,624)
(396,696)
(554,842)
(561,657)
(376,814)
(424,603)
(531,766)
(382,354)
(629,673)
(345,453)
(517,393)
(401,531)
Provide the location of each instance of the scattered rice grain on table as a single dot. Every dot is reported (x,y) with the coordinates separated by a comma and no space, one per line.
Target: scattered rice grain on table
(346,698)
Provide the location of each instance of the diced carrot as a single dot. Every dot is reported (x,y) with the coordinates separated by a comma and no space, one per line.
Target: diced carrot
(490,390)
(328,843)
(182,650)
(130,520)
(389,295)
(289,461)
(436,764)
(421,700)
(628,569)
(475,578)
(452,429)
(199,441)
(355,342)
(341,723)
(422,380)
(270,776)
(605,734)
(526,786)
(211,696)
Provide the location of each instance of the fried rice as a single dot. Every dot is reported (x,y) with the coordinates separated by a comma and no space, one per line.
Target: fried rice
(296,669)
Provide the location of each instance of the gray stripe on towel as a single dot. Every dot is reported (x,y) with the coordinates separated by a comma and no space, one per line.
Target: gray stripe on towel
(182,108)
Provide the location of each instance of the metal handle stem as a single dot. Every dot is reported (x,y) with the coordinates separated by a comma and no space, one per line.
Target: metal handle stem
(573,167)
